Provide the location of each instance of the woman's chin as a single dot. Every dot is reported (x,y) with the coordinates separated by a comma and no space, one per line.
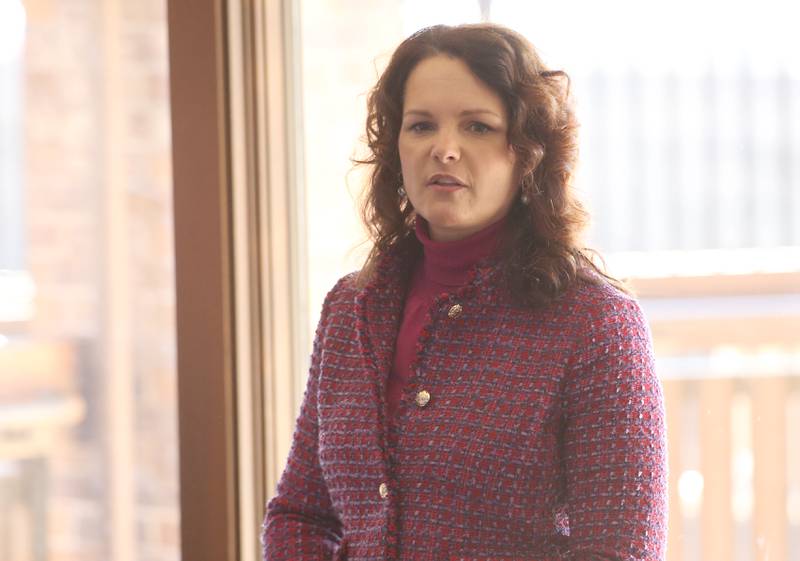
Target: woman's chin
(445,222)
(446,231)
(443,214)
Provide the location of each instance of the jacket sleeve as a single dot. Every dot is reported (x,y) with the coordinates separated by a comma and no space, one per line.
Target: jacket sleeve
(301,523)
(614,442)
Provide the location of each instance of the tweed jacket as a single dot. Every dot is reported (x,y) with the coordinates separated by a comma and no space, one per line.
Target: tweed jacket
(523,434)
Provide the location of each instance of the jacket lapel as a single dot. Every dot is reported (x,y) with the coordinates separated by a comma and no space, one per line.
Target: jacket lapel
(379,311)
(379,308)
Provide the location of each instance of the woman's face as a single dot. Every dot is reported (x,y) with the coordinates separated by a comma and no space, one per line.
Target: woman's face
(458,167)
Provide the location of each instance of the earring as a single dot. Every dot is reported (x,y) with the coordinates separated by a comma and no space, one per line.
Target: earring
(401,191)
(525,199)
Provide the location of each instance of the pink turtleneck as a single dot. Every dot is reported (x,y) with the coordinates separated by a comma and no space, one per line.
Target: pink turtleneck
(443,267)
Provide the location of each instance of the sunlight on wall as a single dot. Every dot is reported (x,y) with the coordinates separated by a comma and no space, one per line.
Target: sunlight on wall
(704,262)
(423,13)
(742,461)
(12,30)
(681,35)
(17,295)
(690,489)
(793,458)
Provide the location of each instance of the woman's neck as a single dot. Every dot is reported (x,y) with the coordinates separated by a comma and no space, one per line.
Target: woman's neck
(449,263)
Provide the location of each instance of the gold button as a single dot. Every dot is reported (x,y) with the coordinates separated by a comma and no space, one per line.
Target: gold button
(423,398)
(455,311)
(383,490)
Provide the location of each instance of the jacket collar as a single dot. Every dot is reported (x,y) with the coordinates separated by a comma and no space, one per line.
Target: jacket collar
(379,311)
(379,304)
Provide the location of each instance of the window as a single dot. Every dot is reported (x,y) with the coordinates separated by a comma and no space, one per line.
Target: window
(88,432)
(689,165)
(12,31)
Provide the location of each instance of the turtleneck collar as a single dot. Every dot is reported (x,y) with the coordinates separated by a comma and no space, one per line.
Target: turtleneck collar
(449,263)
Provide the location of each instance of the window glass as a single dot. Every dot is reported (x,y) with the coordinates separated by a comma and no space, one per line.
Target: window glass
(687,144)
(88,431)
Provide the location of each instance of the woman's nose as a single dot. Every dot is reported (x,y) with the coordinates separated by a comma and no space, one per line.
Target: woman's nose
(445,148)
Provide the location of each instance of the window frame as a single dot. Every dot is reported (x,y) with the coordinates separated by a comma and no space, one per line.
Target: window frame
(206,365)
(239,251)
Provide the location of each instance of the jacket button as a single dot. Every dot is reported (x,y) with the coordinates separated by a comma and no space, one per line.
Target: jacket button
(455,311)
(423,397)
(383,490)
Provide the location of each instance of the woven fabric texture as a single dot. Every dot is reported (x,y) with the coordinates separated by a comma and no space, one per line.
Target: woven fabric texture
(541,438)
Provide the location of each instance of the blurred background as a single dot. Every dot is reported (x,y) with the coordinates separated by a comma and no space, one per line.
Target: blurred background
(690,164)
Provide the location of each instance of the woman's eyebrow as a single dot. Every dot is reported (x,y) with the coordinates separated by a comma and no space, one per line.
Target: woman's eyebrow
(466,112)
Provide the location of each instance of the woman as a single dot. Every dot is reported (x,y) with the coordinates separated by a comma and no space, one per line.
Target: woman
(480,390)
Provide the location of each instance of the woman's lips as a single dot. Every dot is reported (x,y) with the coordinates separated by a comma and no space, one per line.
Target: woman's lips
(445,187)
(445,182)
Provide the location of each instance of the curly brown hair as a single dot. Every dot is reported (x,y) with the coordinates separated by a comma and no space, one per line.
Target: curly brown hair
(541,253)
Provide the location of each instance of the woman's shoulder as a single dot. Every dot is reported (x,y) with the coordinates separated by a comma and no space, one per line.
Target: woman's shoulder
(343,291)
(608,324)
(337,306)
(599,303)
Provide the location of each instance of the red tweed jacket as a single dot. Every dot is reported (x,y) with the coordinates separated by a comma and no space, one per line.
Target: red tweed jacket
(530,435)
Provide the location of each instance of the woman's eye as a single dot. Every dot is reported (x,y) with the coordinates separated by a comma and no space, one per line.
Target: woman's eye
(480,128)
(420,126)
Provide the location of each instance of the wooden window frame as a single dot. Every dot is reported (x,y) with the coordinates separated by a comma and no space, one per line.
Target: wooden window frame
(239,249)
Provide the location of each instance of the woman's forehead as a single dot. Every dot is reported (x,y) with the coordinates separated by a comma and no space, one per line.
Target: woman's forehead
(442,83)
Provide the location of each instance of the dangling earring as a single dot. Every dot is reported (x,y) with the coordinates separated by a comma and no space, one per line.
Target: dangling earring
(401,191)
(527,184)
